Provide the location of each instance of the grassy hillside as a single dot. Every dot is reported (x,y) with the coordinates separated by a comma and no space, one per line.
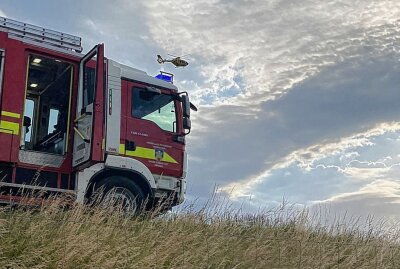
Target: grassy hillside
(50,237)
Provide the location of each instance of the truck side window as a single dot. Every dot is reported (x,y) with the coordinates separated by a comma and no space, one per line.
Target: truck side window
(53,120)
(89,85)
(29,110)
(157,108)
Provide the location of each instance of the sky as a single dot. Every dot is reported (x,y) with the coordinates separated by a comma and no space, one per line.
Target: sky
(298,99)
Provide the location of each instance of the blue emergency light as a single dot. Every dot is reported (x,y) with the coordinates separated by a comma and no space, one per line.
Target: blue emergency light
(168,77)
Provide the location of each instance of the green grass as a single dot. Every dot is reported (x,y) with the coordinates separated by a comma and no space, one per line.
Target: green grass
(52,237)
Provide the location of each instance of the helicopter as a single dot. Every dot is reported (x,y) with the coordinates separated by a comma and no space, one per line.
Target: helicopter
(177,61)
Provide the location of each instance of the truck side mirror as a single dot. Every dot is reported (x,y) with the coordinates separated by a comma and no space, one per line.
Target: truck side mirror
(193,107)
(187,123)
(186,106)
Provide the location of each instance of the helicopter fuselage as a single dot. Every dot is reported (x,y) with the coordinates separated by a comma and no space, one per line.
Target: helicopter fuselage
(178,62)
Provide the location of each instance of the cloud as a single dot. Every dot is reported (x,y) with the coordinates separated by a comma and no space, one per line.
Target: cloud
(124,31)
(282,83)
(341,107)
(268,46)
(380,198)
(307,158)
(384,188)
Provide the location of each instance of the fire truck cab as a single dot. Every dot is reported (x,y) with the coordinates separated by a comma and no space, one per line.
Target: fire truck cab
(74,123)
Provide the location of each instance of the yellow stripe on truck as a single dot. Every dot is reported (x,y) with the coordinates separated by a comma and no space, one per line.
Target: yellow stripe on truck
(122,149)
(145,153)
(10,114)
(9,127)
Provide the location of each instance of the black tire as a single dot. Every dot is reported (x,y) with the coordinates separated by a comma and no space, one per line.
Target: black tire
(117,191)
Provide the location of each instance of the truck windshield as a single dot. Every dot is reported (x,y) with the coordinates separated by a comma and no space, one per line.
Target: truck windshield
(158,108)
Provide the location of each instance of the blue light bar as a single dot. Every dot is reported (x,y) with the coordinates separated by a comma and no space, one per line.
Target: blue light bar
(166,77)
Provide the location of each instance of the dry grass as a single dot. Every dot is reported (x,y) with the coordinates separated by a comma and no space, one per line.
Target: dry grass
(52,237)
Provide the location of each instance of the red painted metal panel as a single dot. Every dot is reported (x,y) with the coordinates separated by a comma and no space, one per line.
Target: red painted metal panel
(13,93)
(98,110)
(3,38)
(5,146)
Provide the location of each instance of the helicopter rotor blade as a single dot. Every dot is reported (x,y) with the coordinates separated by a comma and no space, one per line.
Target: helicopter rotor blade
(178,56)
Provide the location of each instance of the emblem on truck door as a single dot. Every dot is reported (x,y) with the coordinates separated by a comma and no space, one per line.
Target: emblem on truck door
(159,154)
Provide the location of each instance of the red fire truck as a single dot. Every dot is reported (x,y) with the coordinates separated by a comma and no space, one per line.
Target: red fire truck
(74,123)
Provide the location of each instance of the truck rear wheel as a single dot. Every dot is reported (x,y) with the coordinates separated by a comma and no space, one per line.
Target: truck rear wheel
(120,193)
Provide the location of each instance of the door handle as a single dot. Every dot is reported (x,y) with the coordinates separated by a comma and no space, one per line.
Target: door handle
(130,145)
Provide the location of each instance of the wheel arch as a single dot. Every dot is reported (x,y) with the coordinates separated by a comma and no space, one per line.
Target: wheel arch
(138,178)
(115,166)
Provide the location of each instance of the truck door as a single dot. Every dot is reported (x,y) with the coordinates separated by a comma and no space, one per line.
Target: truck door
(89,121)
(151,125)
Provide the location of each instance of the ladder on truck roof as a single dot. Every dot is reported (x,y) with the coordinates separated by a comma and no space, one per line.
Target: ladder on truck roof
(24,31)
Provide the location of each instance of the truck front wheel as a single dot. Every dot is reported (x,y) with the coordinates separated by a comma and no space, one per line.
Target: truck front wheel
(121,193)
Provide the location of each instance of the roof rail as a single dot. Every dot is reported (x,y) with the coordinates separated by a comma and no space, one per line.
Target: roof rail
(42,35)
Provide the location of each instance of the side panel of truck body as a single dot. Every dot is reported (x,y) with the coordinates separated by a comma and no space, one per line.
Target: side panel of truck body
(14,167)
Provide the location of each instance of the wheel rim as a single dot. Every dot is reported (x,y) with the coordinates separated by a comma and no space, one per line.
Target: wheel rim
(120,198)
